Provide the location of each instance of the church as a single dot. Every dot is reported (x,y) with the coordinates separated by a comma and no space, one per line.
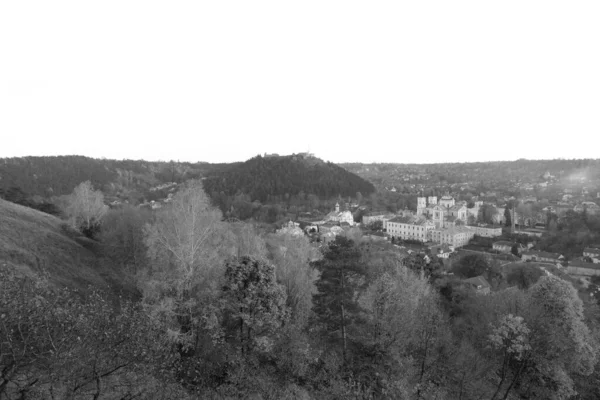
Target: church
(340,216)
(444,213)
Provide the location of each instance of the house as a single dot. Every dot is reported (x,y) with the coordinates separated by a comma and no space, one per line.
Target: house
(542,256)
(486,230)
(503,246)
(480,284)
(592,253)
(582,268)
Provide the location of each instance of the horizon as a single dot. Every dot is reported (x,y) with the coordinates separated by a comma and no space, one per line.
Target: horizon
(389,82)
(315,155)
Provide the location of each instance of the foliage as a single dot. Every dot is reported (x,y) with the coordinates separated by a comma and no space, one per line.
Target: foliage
(86,208)
(471,265)
(291,257)
(279,176)
(54,343)
(186,246)
(122,236)
(336,304)
(253,303)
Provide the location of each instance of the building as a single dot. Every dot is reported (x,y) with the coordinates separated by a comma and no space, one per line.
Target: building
(445,213)
(291,228)
(457,236)
(409,228)
(486,230)
(480,284)
(447,201)
(592,253)
(543,256)
(503,246)
(582,268)
(340,216)
(378,216)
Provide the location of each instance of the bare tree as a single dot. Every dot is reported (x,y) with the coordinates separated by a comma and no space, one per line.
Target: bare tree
(85,206)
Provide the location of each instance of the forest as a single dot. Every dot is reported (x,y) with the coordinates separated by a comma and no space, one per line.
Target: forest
(224,309)
(264,177)
(265,189)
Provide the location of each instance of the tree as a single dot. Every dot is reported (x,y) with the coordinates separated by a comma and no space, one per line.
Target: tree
(375,226)
(58,343)
(253,302)
(561,342)
(507,216)
(291,256)
(86,208)
(186,245)
(510,339)
(470,266)
(486,214)
(524,276)
(123,236)
(335,303)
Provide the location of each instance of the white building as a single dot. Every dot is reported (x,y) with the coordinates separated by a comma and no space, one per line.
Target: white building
(457,236)
(340,216)
(486,230)
(410,227)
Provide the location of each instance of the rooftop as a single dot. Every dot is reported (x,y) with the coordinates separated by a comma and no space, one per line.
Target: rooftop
(503,243)
(478,281)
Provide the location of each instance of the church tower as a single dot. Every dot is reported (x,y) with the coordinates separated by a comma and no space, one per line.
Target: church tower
(337,207)
(421,205)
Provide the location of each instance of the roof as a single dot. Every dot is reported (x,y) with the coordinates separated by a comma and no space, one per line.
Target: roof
(402,220)
(583,264)
(542,254)
(457,207)
(503,243)
(591,250)
(478,281)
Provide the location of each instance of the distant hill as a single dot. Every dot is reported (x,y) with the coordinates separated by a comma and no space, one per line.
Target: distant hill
(493,172)
(261,177)
(58,175)
(35,243)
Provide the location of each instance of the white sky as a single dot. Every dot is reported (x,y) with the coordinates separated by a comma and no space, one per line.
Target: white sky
(369,81)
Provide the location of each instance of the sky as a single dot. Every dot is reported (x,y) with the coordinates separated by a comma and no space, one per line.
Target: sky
(369,81)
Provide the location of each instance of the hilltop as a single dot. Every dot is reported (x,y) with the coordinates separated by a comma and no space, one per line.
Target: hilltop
(35,243)
(262,177)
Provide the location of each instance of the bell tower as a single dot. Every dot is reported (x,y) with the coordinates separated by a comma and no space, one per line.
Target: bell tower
(421,205)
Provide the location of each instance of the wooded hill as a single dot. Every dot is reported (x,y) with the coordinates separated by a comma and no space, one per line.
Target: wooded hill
(265,177)
(58,175)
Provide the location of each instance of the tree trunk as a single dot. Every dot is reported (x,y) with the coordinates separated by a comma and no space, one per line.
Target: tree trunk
(343,321)
(502,376)
(514,379)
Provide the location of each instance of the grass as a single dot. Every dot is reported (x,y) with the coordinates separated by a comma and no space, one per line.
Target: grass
(35,243)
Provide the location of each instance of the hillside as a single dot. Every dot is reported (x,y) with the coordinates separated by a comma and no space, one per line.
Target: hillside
(261,177)
(58,175)
(33,242)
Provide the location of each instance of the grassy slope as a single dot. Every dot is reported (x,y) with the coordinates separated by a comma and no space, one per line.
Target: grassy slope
(36,243)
